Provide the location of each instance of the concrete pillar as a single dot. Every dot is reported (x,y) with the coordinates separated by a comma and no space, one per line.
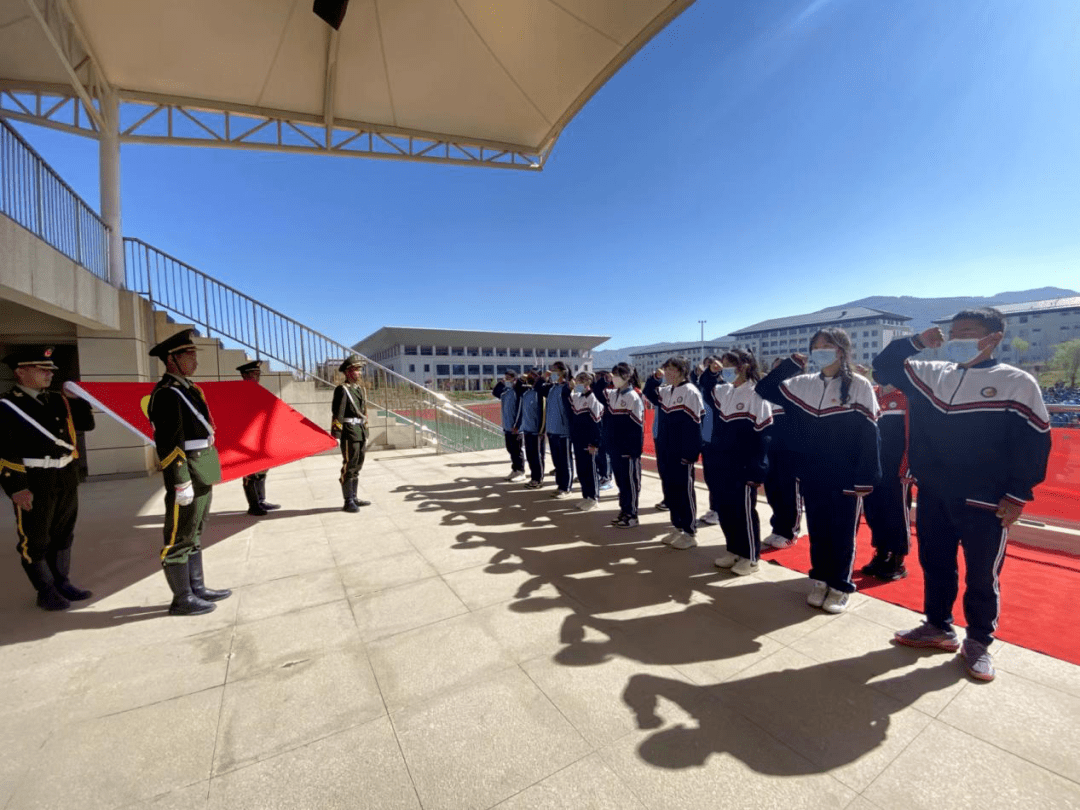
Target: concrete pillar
(109,168)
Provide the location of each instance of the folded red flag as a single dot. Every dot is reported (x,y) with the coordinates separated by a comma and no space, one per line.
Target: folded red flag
(253,429)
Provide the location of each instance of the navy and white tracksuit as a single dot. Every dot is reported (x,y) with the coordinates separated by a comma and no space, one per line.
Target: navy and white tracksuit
(679,409)
(711,459)
(887,512)
(978,435)
(586,415)
(837,455)
(781,482)
(557,426)
(531,427)
(740,436)
(624,436)
(509,397)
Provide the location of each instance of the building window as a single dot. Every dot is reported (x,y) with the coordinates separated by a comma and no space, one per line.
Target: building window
(515,352)
(442,369)
(1023,319)
(474,371)
(442,351)
(487,352)
(459,371)
(410,350)
(458,351)
(412,368)
(474,352)
(489,370)
(425,350)
(427,368)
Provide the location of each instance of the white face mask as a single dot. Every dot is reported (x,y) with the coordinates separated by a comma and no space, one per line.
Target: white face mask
(618,382)
(822,358)
(961,350)
(729,374)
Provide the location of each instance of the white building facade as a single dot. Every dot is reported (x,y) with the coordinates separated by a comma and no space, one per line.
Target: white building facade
(469,360)
(1042,325)
(648,361)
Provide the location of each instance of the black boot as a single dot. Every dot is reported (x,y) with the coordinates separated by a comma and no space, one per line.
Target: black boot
(347,492)
(252,495)
(876,565)
(198,587)
(893,569)
(184,602)
(60,563)
(48,598)
(356,500)
(260,488)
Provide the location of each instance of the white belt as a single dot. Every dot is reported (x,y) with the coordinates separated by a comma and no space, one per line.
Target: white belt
(198,444)
(48,463)
(353,421)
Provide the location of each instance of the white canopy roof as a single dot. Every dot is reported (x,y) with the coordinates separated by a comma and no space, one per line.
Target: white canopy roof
(505,75)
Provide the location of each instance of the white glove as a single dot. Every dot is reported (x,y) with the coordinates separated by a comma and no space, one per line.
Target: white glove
(185,494)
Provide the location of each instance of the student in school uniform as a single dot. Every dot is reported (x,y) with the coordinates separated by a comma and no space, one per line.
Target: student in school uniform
(554,386)
(624,436)
(508,391)
(740,437)
(679,406)
(706,377)
(586,416)
(531,427)
(782,485)
(833,429)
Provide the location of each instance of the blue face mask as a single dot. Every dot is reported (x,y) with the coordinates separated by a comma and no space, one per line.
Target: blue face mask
(729,374)
(961,350)
(579,389)
(821,358)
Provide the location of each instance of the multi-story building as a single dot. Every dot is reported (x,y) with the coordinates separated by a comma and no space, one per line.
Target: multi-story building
(468,360)
(1040,325)
(870,330)
(647,361)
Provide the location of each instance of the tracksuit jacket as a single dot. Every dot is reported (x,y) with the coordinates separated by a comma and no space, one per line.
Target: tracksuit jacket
(586,416)
(509,397)
(742,424)
(531,412)
(557,406)
(679,410)
(624,422)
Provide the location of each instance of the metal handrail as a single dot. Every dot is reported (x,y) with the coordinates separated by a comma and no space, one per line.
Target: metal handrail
(34,195)
(231,316)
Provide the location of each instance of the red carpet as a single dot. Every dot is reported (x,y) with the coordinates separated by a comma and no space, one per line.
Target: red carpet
(1038,592)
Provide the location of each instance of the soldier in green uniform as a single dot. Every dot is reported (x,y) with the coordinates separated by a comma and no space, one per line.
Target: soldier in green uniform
(37,451)
(184,437)
(255,484)
(350,427)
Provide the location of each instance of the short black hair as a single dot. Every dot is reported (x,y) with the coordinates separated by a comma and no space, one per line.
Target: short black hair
(680,363)
(510,373)
(989,317)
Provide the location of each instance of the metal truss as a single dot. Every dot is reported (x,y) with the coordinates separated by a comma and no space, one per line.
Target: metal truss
(154,119)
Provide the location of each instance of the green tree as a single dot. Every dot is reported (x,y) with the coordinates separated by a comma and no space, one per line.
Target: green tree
(1067,359)
(1020,346)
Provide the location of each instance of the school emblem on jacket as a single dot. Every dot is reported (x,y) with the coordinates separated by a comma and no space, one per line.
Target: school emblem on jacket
(740,406)
(989,391)
(679,399)
(894,404)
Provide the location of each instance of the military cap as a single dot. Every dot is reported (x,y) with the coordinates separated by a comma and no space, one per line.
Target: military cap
(350,361)
(254,365)
(31,357)
(181,341)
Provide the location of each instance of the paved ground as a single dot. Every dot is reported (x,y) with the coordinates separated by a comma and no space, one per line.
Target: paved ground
(464,643)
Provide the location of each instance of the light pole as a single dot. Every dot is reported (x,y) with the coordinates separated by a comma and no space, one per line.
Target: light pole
(702,324)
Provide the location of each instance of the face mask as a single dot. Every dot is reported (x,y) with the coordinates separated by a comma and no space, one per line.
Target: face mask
(509,383)
(579,389)
(823,357)
(618,382)
(961,350)
(556,376)
(729,374)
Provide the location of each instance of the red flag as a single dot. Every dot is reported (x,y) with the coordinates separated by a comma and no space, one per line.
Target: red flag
(253,429)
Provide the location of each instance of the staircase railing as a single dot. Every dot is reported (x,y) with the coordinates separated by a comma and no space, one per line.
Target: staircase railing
(222,312)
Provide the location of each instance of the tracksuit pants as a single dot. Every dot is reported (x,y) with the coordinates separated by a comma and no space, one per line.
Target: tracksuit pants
(887,515)
(561,461)
(944,524)
(739,518)
(677,481)
(712,468)
(627,473)
(831,520)
(514,447)
(534,454)
(586,470)
(603,465)
(782,493)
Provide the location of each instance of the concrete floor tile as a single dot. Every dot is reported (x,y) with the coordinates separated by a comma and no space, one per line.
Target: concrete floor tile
(588,784)
(480,587)
(304,633)
(288,594)
(365,548)
(358,768)
(717,758)
(481,745)
(381,573)
(110,761)
(528,629)
(424,662)
(1036,722)
(396,610)
(944,767)
(845,728)
(1037,667)
(257,570)
(294,704)
(192,797)
(863,652)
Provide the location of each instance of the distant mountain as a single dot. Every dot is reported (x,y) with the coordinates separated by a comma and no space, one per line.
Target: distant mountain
(923,311)
(609,357)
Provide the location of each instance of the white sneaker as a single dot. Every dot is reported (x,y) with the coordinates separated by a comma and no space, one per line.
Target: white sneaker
(710,518)
(515,477)
(835,602)
(777,541)
(559,494)
(817,593)
(683,541)
(726,560)
(744,567)
(587,505)
(670,537)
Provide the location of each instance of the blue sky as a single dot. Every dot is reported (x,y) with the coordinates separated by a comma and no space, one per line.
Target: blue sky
(756,159)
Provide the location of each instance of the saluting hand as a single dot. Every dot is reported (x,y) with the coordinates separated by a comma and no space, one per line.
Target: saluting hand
(800,358)
(932,338)
(1008,511)
(24,499)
